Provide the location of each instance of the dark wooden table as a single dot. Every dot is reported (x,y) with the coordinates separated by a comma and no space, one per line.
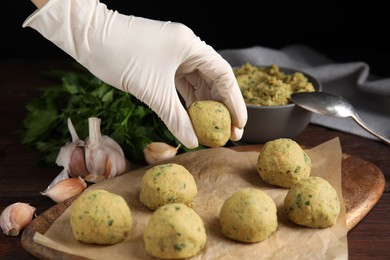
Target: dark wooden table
(22,179)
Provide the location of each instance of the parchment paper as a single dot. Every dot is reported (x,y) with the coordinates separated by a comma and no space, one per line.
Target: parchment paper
(219,172)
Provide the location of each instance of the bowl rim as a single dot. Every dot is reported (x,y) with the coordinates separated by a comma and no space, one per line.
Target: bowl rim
(270,107)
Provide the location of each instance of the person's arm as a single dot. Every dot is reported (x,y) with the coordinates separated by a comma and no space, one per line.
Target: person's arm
(150,59)
(39,3)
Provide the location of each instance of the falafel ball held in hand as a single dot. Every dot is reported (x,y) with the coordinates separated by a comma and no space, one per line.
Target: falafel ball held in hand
(150,59)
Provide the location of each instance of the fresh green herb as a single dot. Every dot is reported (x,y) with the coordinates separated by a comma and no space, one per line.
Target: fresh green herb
(80,95)
(307,159)
(179,247)
(298,200)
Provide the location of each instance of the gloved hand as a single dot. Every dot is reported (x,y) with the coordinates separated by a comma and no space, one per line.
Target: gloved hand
(149,59)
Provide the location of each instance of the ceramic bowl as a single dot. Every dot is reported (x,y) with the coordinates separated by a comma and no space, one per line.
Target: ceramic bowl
(266,123)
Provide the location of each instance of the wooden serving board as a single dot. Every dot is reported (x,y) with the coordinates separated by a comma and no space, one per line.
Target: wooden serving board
(362,185)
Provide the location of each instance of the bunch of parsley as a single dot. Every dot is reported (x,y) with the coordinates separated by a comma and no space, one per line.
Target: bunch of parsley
(80,95)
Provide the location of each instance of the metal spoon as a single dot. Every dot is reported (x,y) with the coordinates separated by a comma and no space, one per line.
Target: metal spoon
(331,105)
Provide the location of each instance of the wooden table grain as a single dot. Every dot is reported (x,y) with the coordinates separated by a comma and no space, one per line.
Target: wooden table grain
(22,179)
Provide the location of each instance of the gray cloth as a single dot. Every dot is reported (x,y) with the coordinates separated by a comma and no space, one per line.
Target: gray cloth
(368,94)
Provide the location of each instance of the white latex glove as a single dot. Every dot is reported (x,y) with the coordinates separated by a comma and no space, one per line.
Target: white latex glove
(149,59)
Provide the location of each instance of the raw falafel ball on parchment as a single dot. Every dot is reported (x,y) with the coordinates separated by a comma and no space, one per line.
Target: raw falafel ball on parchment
(100,217)
(167,183)
(211,121)
(174,231)
(312,202)
(249,215)
(282,162)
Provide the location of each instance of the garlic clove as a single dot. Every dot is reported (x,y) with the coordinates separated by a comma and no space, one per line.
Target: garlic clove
(77,165)
(64,174)
(116,161)
(95,152)
(65,189)
(158,151)
(71,155)
(15,218)
(103,155)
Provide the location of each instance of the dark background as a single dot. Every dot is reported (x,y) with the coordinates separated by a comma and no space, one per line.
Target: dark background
(344,33)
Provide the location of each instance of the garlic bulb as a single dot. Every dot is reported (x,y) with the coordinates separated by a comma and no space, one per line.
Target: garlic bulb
(62,189)
(15,218)
(103,155)
(158,151)
(71,155)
